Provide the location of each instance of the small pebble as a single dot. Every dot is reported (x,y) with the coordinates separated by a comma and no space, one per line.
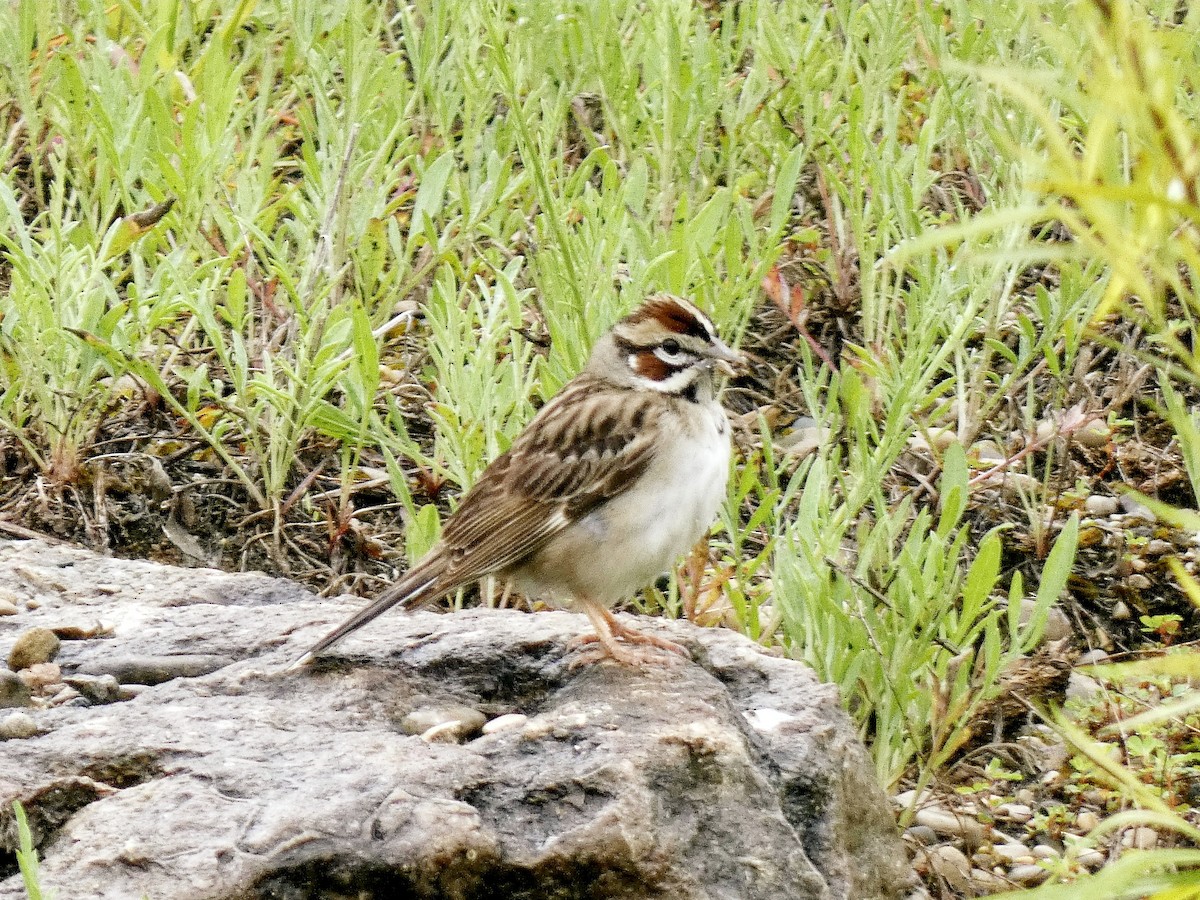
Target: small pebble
(1120,612)
(987,452)
(1159,547)
(1058,626)
(13,691)
(1045,851)
(83,632)
(1082,687)
(1016,812)
(505,722)
(947,823)
(17,726)
(1086,821)
(989,880)
(463,721)
(444,733)
(8,608)
(1139,582)
(97,688)
(66,695)
(1140,838)
(1099,507)
(1013,853)
(923,835)
(1052,778)
(905,799)
(1027,796)
(41,677)
(1095,433)
(1090,858)
(1091,657)
(1028,875)
(33,646)
(1136,510)
(951,864)
(804,439)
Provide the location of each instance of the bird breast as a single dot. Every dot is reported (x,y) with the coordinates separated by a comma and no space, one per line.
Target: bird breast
(629,541)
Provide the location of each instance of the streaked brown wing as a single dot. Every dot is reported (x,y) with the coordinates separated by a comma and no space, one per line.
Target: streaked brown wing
(580,450)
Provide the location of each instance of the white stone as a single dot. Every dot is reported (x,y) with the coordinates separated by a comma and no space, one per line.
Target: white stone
(505,722)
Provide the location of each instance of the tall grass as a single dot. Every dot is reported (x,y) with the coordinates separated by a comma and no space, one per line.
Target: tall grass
(522,175)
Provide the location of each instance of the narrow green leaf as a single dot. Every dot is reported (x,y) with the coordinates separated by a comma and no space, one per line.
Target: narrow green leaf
(785,188)
(432,191)
(953,488)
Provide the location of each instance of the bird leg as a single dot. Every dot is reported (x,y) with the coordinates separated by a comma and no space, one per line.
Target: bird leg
(608,629)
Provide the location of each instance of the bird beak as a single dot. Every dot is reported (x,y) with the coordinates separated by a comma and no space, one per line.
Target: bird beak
(725,359)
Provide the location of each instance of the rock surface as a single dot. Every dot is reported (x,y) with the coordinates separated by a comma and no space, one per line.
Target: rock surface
(220,774)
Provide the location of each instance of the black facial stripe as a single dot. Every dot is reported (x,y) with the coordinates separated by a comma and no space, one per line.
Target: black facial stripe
(625,346)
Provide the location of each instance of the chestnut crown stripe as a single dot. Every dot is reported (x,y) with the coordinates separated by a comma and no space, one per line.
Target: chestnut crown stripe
(674,317)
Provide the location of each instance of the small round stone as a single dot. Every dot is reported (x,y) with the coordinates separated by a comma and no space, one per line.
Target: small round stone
(1140,838)
(1013,853)
(45,678)
(8,608)
(1015,812)
(945,822)
(66,696)
(33,646)
(1099,507)
(1086,821)
(1082,687)
(17,726)
(922,834)
(463,720)
(505,722)
(1028,874)
(97,688)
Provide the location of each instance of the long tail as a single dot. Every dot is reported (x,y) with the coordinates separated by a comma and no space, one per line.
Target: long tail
(419,585)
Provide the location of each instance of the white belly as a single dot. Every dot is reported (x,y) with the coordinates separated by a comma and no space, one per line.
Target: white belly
(637,536)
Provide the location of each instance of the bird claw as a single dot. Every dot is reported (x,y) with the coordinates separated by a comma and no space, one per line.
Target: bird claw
(647,652)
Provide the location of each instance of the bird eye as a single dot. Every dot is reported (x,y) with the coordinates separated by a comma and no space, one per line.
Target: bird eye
(671,346)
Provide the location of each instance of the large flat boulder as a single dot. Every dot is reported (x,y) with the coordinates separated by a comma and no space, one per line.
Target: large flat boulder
(185,761)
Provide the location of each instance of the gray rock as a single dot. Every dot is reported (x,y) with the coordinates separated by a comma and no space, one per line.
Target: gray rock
(33,646)
(135,668)
(737,777)
(97,688)
(13,691)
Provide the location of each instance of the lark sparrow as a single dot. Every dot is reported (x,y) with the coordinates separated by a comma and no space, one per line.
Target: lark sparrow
(610,483)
